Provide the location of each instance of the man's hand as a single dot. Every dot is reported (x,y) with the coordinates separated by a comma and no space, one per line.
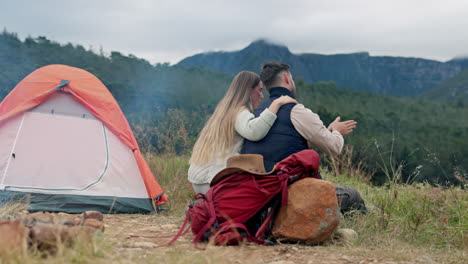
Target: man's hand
(344,128)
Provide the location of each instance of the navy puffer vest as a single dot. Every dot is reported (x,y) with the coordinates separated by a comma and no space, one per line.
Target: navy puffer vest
(283,139)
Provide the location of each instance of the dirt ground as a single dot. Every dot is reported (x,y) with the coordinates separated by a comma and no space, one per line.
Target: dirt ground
(130,249)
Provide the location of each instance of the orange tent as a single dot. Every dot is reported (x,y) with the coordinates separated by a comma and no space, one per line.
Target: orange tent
(73,86)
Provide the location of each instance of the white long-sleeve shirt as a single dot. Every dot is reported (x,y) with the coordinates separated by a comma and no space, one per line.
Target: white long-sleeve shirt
(309,125)
(246,126)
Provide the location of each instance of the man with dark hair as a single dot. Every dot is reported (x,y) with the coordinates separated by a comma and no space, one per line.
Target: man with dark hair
(297,127)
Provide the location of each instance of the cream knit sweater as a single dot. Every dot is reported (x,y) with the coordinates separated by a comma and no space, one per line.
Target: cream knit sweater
(247,126)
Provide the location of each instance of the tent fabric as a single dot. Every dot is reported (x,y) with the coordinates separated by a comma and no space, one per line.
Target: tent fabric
(49,140)
(75,204)
(42,84)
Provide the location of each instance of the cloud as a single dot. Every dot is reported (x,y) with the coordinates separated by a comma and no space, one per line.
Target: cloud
(171,30)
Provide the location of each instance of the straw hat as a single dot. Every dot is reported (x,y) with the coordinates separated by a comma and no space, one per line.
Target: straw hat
(251,163)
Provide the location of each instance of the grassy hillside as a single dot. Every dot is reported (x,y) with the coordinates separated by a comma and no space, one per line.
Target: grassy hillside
(137,85)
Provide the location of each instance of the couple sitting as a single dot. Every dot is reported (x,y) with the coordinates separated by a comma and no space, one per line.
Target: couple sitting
(276,128)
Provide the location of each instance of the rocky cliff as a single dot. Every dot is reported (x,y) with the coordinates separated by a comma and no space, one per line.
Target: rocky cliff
(358,71)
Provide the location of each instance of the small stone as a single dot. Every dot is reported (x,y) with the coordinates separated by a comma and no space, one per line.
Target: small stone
(94,223)
(154,229)
(346,258)
(40,217)
(73,233)
(64,219)
(46,233)
(93,215)
(424,259)
(346,235)
(169,226)
(282,262)
(78,220)
(143,244)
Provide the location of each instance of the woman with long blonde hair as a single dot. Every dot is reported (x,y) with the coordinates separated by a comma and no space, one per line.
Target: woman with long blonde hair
(232,121)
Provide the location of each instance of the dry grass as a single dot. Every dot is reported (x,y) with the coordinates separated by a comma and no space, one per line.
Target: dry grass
(411,219)
(344,164)
(406,223)
(12,208)
(171,173)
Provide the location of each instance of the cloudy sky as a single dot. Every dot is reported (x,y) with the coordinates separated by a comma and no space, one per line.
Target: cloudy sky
(170,30)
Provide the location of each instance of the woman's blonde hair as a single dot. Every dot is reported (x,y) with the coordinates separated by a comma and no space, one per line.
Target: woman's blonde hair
(218,134)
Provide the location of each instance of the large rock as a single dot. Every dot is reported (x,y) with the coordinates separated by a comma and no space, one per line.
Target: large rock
(312,213)
(46,231)
(13,237)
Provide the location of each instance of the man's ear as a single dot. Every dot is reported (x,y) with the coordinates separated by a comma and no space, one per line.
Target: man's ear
(285,78)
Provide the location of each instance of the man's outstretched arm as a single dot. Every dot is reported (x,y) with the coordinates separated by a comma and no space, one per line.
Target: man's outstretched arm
(309,125)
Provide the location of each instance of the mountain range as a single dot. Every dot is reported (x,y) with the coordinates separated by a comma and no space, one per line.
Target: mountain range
(398,76)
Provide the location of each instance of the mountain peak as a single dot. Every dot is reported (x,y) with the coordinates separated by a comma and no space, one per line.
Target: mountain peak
(264,46)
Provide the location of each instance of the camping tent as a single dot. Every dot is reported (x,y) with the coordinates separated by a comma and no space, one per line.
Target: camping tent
(66,146)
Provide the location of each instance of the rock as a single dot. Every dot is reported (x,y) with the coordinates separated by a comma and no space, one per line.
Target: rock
(78,220)
(93,215)
(282,262)
(78,233)
(64,219)
(44,233)
(346,258)
(143,244)
(154,228)
(39,217)
(94,223)
(47,236)
(46,230)
(312,213)
(13,238)
(424,259)
(346,235)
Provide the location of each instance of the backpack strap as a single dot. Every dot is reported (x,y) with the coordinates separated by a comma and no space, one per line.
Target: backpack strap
(269,219)
(212,219)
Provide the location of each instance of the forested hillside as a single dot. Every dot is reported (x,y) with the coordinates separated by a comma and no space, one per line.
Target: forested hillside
(454,90)
(168,105)
(357,71)
(134,82)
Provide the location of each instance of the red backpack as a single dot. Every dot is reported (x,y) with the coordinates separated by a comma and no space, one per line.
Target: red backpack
(222,214)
